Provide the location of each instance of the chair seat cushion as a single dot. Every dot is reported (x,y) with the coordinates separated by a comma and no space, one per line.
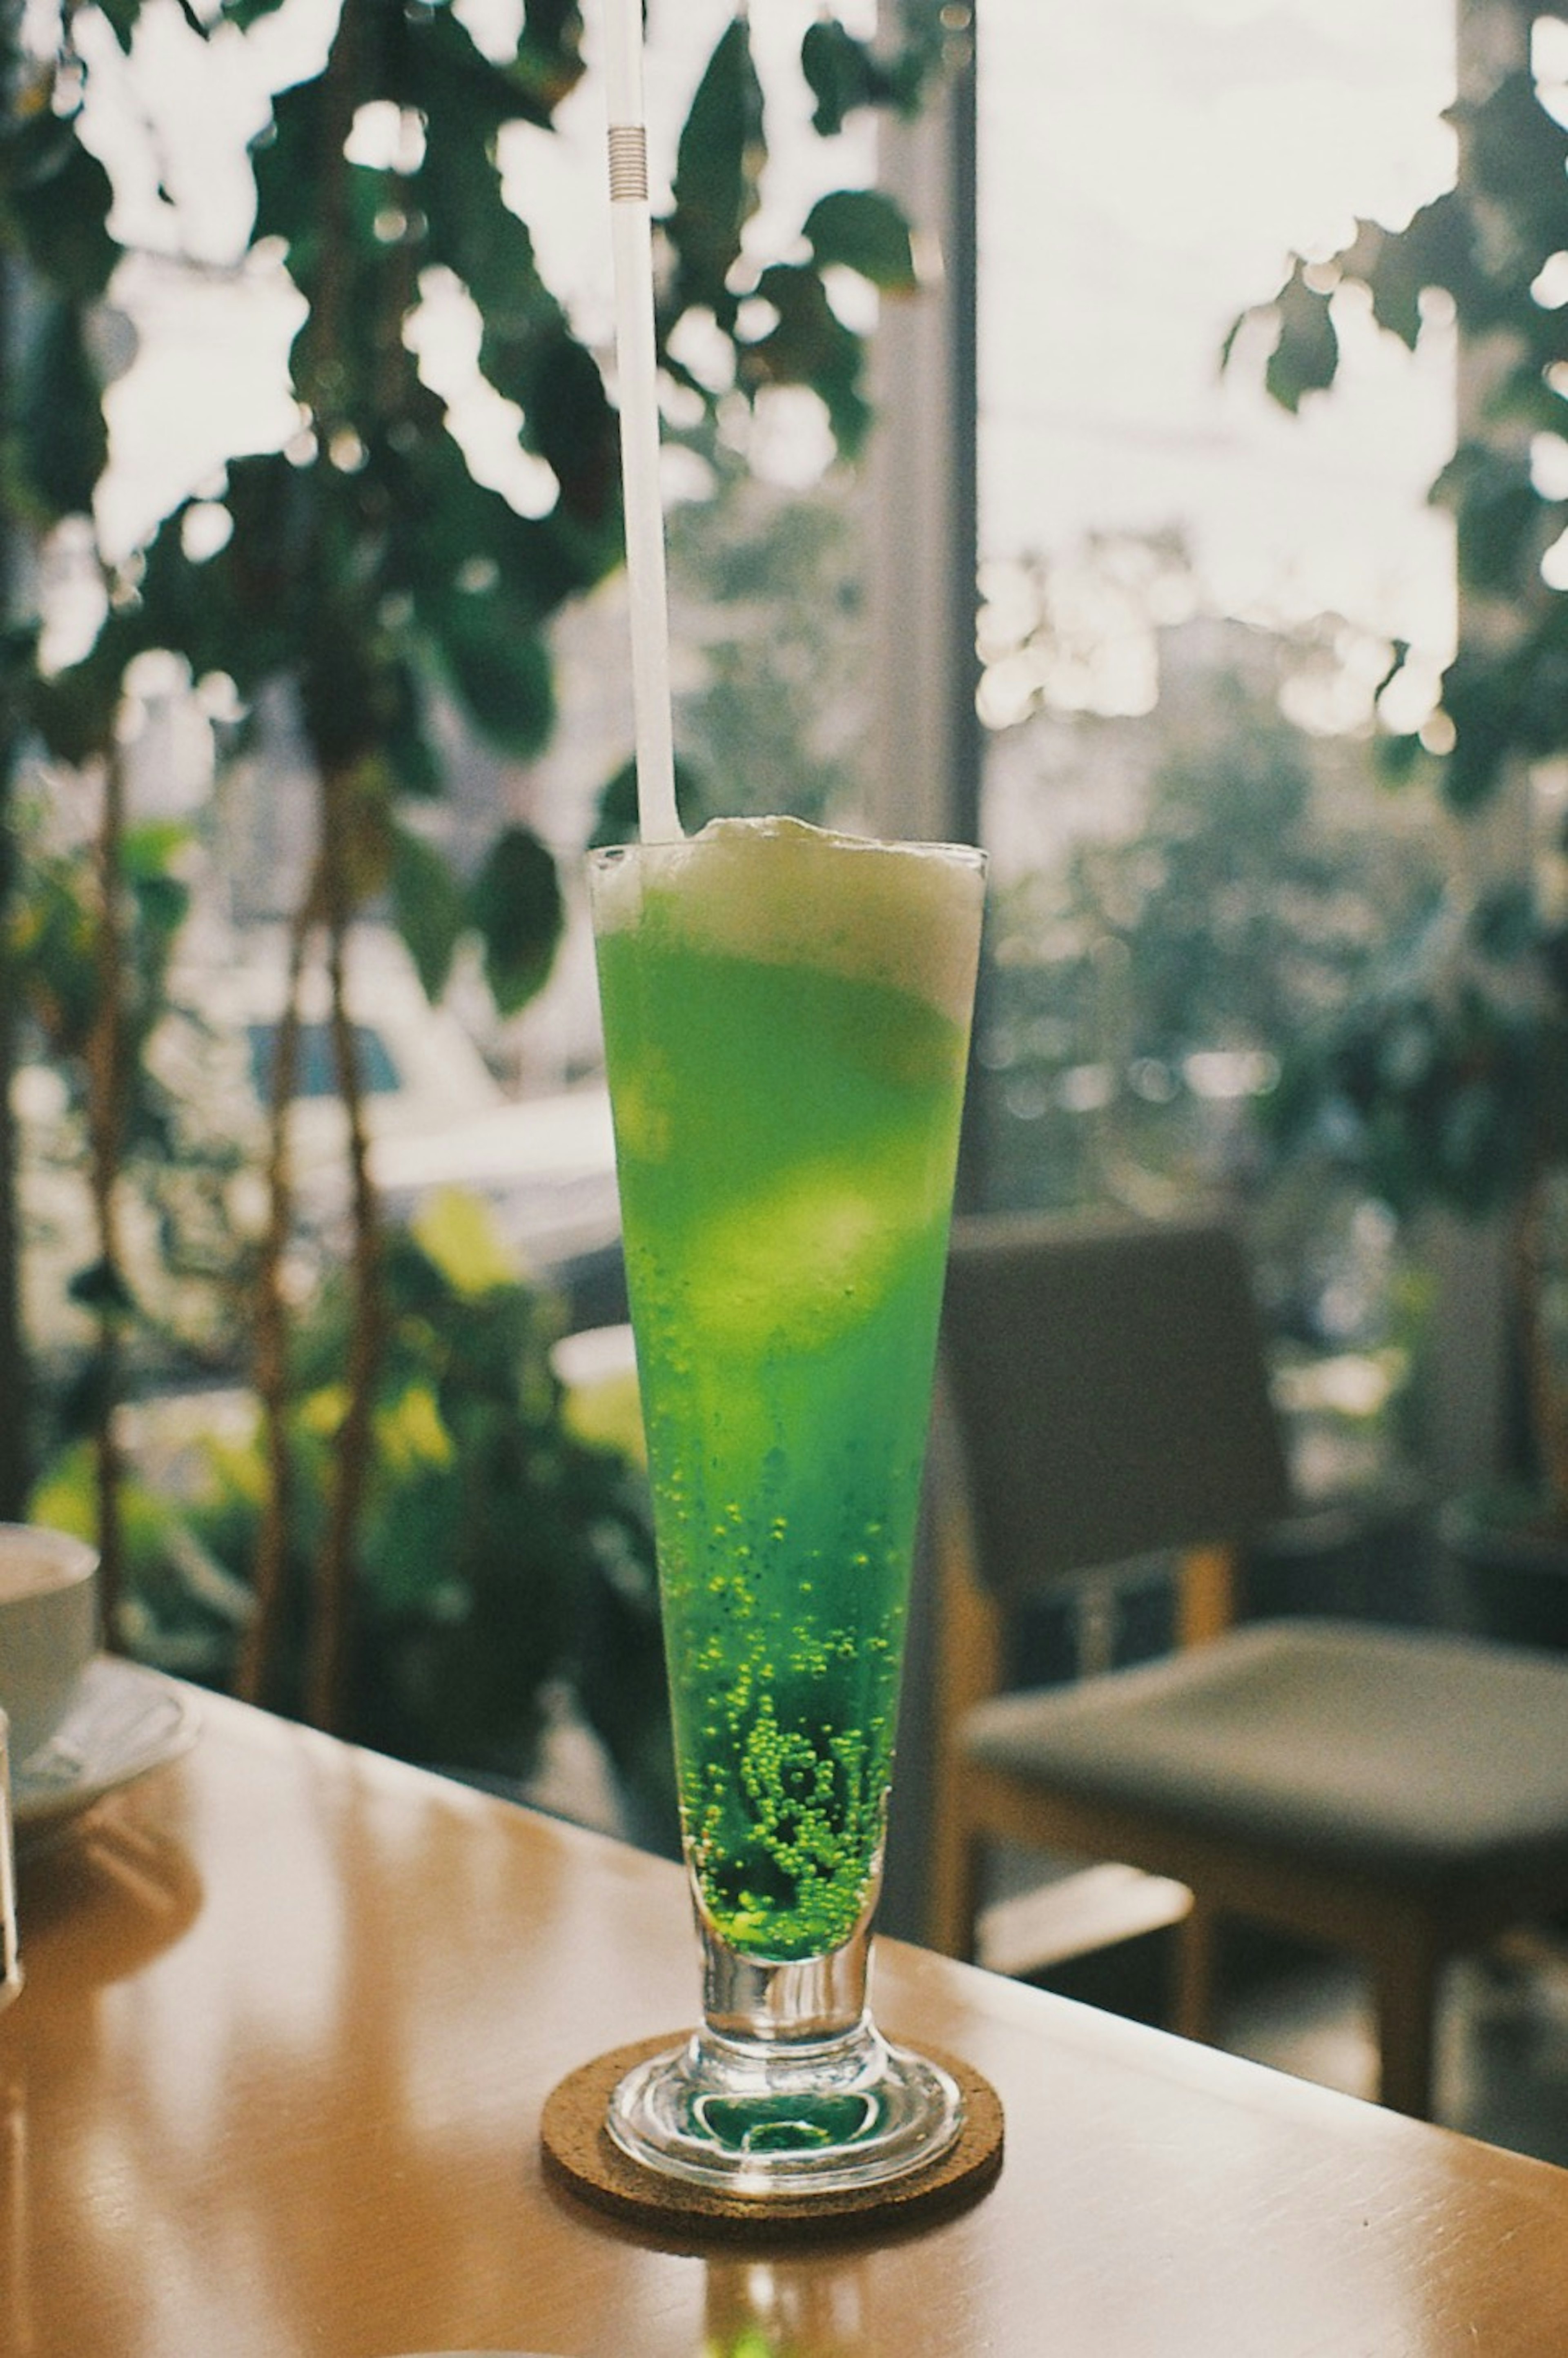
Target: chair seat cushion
(1422,1758)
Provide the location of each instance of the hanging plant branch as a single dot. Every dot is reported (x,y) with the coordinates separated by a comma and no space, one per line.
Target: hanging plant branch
(366,579)
(335,1576)
(256,1669)
(107,1089)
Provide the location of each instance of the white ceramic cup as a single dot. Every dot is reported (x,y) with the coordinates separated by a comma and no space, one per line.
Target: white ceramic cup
(48,1629)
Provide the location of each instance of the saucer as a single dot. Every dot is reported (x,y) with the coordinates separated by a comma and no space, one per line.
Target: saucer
(123,1721)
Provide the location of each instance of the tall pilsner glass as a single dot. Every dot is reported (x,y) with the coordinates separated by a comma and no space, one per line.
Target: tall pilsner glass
(786,1016)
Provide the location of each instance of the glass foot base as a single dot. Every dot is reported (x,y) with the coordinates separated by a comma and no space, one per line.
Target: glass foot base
(754,2120)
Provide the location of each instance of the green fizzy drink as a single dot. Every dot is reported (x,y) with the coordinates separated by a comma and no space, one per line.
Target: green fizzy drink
(785,1019)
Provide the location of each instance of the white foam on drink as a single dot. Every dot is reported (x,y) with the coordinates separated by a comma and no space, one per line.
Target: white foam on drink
(783,893)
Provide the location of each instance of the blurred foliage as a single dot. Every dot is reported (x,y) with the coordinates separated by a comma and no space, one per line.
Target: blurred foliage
(502,1559)
(1182,891)
(364,580)
(1152,976)
(766,593)
(766,601)
(1446,1078)
(367,563)
(187,1125)
(365,568)
(1448,1067)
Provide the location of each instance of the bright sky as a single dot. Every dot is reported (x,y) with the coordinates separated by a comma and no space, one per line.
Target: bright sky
(1147,167)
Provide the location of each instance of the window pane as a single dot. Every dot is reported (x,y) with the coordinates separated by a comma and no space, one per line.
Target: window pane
(1190,598)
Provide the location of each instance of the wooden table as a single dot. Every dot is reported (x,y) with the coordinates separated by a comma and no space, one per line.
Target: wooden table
(274,2087)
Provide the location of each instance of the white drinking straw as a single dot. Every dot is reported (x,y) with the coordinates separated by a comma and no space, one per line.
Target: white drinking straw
(632,238)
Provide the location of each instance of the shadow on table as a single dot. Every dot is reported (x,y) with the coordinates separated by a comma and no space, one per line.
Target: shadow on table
(121,1892)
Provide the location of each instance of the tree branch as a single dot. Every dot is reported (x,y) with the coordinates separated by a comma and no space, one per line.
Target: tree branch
(257,1664)
(107,1082)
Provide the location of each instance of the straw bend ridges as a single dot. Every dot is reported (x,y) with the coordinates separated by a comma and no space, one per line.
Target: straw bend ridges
(628,164)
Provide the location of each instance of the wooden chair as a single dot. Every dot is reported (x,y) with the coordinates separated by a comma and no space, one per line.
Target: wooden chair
(1400,1795)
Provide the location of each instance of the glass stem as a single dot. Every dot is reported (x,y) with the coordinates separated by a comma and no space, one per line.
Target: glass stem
(805,2001)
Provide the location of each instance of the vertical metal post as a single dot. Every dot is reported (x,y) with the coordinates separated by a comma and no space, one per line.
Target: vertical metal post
(924,780)
(920,483)
(1467,1381)
(922,498)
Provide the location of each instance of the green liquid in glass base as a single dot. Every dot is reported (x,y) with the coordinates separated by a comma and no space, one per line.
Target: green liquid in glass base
(826,2115)
(785,1141)
(801,2123)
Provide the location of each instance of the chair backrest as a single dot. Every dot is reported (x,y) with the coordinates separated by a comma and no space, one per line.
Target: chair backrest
(1104,1380)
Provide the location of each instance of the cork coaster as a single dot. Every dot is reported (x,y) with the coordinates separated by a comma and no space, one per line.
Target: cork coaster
(579,2153)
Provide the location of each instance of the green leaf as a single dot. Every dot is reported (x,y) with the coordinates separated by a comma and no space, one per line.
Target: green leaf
(461,90)
(478,236)
(1503,523)
(102,1289)
(1515,152)
(497,664)
(567,416)
(864,231)
(18,661)
(1307,354)
(550,63)
(527,350)
(89,1398)
(1478,696)
(719,167)
(74,709)
(411,758)
(120,17)
(841,74)
(163,903)
(1505,923)
(926,30)
(59,196)
(844,73)
(427,908)
(515,906)
(447,528)
(616,818)
(286,159)
(409,1435)
(246,12)
(1401,270)
(457,1233)
(244,609)
(809,345)
(61,443)
(156,848)
(1399,757)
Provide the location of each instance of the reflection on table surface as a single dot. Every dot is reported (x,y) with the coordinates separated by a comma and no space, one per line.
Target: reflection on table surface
(291,2013)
